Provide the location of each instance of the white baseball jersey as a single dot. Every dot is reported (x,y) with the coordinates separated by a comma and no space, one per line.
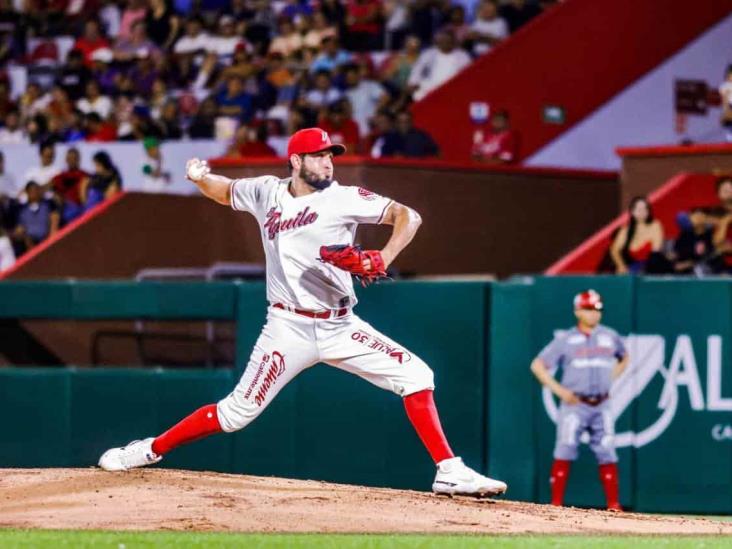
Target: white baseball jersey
(293,230)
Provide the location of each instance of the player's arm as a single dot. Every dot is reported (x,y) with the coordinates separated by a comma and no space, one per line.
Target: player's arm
(405,222)
(539,369)
(620,367)
(215,187)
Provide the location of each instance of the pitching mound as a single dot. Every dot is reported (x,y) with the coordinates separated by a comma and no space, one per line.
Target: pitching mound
(163,499)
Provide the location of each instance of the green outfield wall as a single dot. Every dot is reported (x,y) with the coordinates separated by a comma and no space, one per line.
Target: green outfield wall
(674,406)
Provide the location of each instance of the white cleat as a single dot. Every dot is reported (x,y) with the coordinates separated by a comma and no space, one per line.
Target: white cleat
(137,453)
(456,478)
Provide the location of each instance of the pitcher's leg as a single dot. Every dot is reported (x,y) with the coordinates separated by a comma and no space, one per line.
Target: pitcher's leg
(360,349)
(284,348)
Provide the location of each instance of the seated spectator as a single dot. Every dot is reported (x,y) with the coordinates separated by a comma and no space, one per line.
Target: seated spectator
(716,212)
(74,75)
(6,101)
(725,93)
(195,39)
(143,74)
(488,29)
(155,179)
(97,130)
(33,101)
(396,68)
(381,125)
(111,16)
(47,170)
(500,144)
(169,121)
(295,9)
(141,125)
(470,7)
(9,194)
(364,25)
(75,130)
(724,193)
(637,245)
(324,93)
(396,23)
(437,65)
(37,219)
(365,95)
(319,31)
(67,186)
(104,183)
(276,136)
(260,26)
(458,25)
(36,128)
(91,40)
(721,217)
(331,58)
(335,13)
(7,254)
(288,41)
(60,107)
(9,188)
(519,12)
(227,40)
(205,76)
(134,11)
(694,247)
(407,141)
(241,64)
(138,45)
(159,95)
(426,19)
(203,124)
(250,141)
(12,133)
(162,24)
(94,101)
(234,101)
(340,126)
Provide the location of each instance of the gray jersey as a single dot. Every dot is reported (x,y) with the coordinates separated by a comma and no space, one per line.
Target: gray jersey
(587,361)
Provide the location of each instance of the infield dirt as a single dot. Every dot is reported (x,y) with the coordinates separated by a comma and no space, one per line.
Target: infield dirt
(165,499)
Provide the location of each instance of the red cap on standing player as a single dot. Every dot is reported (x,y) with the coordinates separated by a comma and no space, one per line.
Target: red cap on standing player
(311,141)
(588,300)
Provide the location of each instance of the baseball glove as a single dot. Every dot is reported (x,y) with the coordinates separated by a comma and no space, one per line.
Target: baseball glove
(351,259)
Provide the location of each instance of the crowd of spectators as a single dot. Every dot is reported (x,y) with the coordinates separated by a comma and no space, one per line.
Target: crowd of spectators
(247,71)
(51,197)
(703,245)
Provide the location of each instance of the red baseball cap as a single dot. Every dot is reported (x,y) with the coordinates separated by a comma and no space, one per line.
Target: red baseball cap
(588,300)
(311,141)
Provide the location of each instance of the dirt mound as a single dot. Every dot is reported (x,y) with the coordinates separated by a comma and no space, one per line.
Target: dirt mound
(164,499)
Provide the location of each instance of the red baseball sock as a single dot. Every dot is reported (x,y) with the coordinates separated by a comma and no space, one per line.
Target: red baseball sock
(422,412)
(558,480)
(201,423)
(609,479)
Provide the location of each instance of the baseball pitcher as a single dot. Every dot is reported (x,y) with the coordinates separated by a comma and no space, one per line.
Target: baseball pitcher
(308,222)
(591,356)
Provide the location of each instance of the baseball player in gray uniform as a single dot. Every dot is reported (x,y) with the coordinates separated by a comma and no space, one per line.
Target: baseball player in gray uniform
(591,357)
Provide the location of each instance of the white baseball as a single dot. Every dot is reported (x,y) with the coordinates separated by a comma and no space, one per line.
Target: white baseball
(197,169)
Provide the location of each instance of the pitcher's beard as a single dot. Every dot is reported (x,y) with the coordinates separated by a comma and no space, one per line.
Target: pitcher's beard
(314,180)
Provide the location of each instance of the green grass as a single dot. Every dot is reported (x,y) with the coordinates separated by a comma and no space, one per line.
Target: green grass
(132,540)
